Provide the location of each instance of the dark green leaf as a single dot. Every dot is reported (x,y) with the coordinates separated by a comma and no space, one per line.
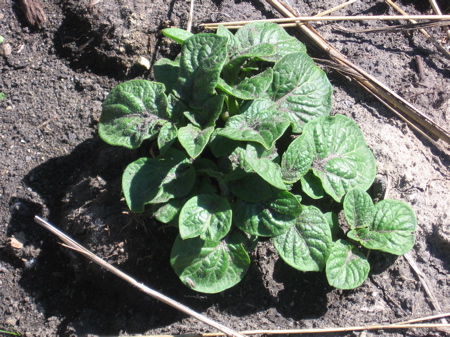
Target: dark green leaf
(312,186)
(149,180)
(206,215)
(270,217)
(132,112)
(252,188)
(358,209)
(346,267)
(166,72)
(306,245)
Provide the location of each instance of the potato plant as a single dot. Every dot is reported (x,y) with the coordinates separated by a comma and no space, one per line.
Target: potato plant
(238,123)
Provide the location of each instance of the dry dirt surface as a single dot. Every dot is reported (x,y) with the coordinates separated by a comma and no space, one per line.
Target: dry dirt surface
(54,79)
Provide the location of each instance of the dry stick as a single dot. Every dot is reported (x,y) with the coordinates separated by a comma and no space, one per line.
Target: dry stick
(303,19)
(423,31)
(334,9)
(437,10)
(396,28)
(405,110)
(424,281)
(72,244)
(190,18)
(327,330)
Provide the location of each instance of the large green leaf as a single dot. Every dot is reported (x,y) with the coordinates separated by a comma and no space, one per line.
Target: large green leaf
(202,58)
(209,112)
(342,158)
(209,266)
(194,139)
(167,135)
(259,123)
(257,33)
(270,217)
(297,159)
(306,245)
(391,229)
(149,180)
(205,215)
(252,188)
(346,267)
(132,112)
(300,89)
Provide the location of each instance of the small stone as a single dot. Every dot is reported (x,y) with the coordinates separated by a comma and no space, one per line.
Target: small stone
(144,62)
(5,49)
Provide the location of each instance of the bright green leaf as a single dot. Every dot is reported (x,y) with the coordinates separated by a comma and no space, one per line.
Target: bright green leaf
(132,112)
(306,245)
(257,33)
(167,135)
(342,158)
(206,215)
(193,139)
(177,34)
(209,266)
(149,180)
(259,123)
(300,89)
(346,267)
(312,186)
(202,58)
(297,159)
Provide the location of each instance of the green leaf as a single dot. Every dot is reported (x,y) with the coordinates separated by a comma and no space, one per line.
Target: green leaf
(251,87)
(270,217)
(346,267)
(206,215)
(149,180)
(194,139)
(202,58)
(358,209)
(167,135)
(297,159)
(392,228)
(312,186)
(220,145)
(300,89)
(167,213)
(208,114)
(252,188)
(166,71)
(266,168)
(256,33)
(209,266)
(333,222)
(232,42)
(259,123)
(306,245)
(177,34)
(342,160)
(132,112)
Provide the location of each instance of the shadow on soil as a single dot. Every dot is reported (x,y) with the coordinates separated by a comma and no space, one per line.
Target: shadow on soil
(67,286)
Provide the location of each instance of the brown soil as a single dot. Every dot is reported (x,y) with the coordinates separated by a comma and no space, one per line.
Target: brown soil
(53,164)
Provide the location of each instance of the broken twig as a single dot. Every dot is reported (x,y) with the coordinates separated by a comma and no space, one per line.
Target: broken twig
(72,244)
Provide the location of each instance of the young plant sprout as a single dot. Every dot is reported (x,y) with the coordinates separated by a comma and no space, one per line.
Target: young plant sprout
(243,129)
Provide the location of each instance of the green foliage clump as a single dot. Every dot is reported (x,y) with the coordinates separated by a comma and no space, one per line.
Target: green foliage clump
(242,128)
